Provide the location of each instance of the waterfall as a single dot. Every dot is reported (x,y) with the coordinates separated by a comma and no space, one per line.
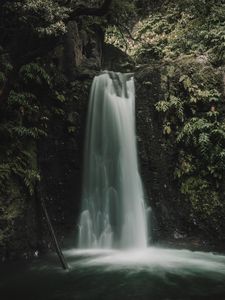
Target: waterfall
(113,213)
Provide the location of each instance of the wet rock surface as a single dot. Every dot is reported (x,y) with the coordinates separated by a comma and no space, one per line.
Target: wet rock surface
(154,155)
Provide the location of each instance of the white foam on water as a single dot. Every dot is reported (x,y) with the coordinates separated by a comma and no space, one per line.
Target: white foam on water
(152,259)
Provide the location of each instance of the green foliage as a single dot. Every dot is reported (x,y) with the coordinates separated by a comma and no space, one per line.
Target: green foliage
(34,73)
(45,17)
(194,188)
(25,102)
(181,27)
(60,97)
(10,212)
(19,167)
(32,132)
(193,117)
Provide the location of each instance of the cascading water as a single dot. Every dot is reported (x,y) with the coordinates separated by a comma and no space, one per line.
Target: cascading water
(113,208)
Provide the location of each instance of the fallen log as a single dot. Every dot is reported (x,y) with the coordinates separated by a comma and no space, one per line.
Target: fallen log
(53,236)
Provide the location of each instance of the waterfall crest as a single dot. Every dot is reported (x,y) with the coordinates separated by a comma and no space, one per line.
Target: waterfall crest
(113,208)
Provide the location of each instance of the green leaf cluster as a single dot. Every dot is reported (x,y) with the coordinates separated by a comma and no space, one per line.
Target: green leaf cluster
(193,119)
(181,27)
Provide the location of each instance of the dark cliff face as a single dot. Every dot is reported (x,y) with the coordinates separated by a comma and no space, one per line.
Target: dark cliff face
(61,154)
(154,161)
(156,155)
